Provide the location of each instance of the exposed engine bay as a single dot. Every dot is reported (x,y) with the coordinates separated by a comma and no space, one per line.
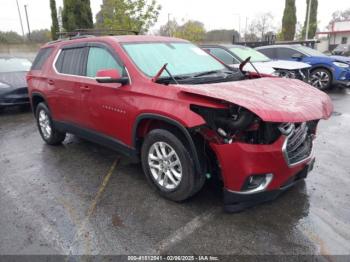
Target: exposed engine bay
(236,124)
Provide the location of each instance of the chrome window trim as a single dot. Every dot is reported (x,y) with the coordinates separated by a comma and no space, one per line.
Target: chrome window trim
(85,77)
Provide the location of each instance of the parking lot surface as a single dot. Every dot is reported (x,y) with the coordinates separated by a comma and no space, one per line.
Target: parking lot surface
(80,198)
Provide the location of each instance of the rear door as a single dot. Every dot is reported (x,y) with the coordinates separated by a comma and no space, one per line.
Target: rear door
(68,83)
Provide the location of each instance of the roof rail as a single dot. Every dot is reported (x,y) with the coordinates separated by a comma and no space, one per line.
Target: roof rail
(82,33)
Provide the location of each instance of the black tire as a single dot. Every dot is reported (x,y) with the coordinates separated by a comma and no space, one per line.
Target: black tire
(56,137)
(321,78)
(190,182)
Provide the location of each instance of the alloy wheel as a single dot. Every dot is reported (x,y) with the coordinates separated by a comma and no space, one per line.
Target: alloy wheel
(320,79)
(165,165)
(44,123)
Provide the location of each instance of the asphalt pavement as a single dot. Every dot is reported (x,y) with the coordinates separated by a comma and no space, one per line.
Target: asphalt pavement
(81,198)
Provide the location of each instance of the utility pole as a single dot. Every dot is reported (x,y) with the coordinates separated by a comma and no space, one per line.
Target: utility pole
(308,20)
(239,24)
(25,8)
(169,29)
(20,18)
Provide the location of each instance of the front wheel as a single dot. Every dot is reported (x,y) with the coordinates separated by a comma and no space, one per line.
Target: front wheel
(168,166)
(48,132)
(321,78)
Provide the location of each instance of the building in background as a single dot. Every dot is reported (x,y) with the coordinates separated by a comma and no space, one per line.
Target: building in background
(339,34)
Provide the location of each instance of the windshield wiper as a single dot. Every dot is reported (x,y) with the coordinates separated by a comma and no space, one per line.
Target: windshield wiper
(207,73)
(164,67)
(247,60)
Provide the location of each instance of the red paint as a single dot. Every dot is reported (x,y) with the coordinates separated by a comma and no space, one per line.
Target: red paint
(112,109)
(112,73)
(239,160)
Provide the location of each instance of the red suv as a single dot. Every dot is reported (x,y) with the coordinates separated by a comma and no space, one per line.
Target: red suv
(186,115)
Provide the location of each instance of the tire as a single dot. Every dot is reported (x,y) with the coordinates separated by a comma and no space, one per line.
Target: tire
(45,125)
(321,78)
(177,188)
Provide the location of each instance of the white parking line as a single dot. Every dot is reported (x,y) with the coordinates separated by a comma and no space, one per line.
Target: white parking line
(186,230)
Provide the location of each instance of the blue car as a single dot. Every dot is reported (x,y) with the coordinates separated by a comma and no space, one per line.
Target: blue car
(326,71)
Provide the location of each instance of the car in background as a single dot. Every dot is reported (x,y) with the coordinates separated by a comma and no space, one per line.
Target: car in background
(342,50)
(234,55)
(13,85)
(325,70)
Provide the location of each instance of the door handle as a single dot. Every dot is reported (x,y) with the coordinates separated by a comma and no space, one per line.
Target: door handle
(85,88)
(51,82)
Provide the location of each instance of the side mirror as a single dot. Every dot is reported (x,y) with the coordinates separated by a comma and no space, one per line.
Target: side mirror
(111,76)
(297,56)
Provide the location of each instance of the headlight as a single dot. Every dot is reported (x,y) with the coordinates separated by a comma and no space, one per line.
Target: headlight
(3,85)
(340,64)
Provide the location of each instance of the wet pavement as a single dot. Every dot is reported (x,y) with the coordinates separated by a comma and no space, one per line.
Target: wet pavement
(80,198)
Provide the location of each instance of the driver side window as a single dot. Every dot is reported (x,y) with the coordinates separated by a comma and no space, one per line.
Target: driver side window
(99,59)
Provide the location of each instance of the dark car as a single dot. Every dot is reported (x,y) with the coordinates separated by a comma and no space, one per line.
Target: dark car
(343,50)
(325,70)
(13,85)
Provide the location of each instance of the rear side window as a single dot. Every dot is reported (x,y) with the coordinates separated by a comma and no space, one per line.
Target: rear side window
(72,61)
(41,57)
(285,53)
(99,59)
(269,52)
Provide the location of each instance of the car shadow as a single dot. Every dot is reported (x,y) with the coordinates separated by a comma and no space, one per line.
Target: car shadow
(15,110)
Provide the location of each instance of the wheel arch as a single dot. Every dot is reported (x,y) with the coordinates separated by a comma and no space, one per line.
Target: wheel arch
(325,67)
(148,121)
(37,98)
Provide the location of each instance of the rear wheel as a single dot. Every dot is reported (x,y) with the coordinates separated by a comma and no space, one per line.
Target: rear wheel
(168,166)
(48,132)
(321,78)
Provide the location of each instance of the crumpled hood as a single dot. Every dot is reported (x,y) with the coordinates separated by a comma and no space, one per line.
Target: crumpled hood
(282,64)
(272,99)
(14,79)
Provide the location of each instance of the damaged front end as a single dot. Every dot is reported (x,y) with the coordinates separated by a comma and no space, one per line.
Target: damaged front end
(255,158)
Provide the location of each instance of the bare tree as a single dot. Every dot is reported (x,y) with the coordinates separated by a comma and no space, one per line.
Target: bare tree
(263,23)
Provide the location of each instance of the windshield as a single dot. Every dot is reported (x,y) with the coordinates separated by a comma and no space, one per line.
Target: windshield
(309,51)
(14,65)
(244,52)
(182,58)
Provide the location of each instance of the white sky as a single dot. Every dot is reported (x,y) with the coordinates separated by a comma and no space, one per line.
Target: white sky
(218,14)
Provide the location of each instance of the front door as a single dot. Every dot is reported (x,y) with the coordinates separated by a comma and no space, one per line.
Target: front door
(104,104)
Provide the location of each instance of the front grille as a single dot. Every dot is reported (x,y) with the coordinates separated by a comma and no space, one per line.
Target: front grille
(299,144)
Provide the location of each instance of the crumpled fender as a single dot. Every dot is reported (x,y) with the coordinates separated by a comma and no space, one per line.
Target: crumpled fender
(272,99)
